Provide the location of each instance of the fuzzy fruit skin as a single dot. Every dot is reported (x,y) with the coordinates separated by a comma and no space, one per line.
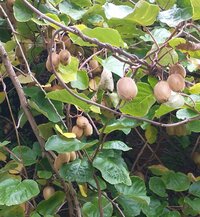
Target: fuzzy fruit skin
(55,61)
(94,66)
(48,191)
(126,88)
(65,57)
(88,130)
(61,159)
(67,41)
(181,130)
(78,131)
(106,82)
(177,69)
(72,156)
(176,82)
(82,122)
(170,130)
(162,91)
(196,158)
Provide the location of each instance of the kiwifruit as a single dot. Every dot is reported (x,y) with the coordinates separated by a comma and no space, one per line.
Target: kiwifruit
(177,69)
(67,41)
(139,174)
(9,5)
(88,130)
(175,100)
(72,156)
(95,67)
(78,131)
(162,91)
(106,82)
(196,158)
(61,159)
(55,61)
(181,130)
(126,88)
(48,191)
(170,130)
(65,57)
(82,122)
(176,82)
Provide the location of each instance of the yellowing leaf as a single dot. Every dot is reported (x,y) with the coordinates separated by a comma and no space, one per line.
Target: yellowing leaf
(95,109)
(17,169)
(67,135)
(195,89)
(83,189)
(2,97)
(2,156)
(25,79)
(151,134)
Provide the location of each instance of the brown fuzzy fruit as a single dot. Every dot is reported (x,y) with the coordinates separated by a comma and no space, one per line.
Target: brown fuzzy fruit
(177,69)
(65,57)
(88,130)
(55,61)
(72,156)
(82,122)
(78,131)
(48,191)
(95,67)
(61,159)
(196,158)
(170,130)
(176,82)
(67,41)
(126,88)
(181,130)
(9,5)
(162,91)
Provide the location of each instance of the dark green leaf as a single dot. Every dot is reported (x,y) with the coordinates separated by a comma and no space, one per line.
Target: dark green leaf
(195,189)
(186,113)
(81,81)
(118,145)
(157,186)
(61,145)
(21,12)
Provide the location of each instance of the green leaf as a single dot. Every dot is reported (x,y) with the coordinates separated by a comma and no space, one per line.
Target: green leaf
(176,181)
(195,189)
(163,110)
(91,209)
(61,145)
(104,35)
(44,174)
(2,97)
(194,204)
(21,12)
(81,81)
(172,214)
(195,9)
(120,124)
(151,133)
(194,126)
(142,103)
(186,113)
(195,89)
(155,208)
(4,143)
(165,5)
(69,72)
(42,105)
(13,191)
(111,169)
(157,186)
(174,16)
(116,11)
(81,3)
(66,97)
(114,65)
(50,206)
(26,154)
(118,145)
(136,191)
(144,13)
(80,170)
(46,130)
(9,211)
(101,182)
(74,11)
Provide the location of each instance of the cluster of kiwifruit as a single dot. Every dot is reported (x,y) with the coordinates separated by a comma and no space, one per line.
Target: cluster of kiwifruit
(63,57)
(175,82)
(179,130)
(82,127)
(64,158)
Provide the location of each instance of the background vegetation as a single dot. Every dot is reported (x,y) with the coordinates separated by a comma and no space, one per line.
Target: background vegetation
(76,142)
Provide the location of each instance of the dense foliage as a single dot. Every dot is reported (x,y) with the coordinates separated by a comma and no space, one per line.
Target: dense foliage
(99,108)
